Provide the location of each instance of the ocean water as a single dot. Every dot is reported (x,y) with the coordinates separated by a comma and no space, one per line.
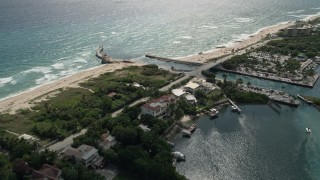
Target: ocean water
(42,41)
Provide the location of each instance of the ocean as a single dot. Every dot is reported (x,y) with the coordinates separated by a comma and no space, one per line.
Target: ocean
(43,41)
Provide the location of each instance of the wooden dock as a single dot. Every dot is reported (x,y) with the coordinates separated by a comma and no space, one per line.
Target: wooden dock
(192,63)
(304,99)
(234,104)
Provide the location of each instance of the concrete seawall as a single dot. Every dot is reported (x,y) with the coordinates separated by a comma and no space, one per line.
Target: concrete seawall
(219,68)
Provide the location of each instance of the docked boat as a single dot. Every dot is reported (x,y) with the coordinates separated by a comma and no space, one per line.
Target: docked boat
(213,113)
(233,108)
(308,130)
(179,156)
(192,128)
(186,133)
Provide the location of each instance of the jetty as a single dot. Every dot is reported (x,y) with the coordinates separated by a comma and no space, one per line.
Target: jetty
(304,99)
(105,59)
(235,106)
(193,63)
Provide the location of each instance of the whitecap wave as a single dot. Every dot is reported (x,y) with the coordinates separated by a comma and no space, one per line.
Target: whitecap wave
(47,78)
(243,20)
(43,70)
(4,81)
(176,42)
(209,27)
(296,12)
(185,37)
(80,60)
(114,33)
(58,66)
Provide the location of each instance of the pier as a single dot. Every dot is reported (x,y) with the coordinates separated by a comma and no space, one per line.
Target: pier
(193,63)
(105,59)
(304,99)
(234,104)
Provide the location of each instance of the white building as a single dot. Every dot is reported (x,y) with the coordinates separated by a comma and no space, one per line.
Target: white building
(191,86)
(158,107)
(191,99)
(178,92)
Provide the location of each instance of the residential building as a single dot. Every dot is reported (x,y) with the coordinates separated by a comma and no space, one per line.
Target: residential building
(158,107)
(107,140)
(191,99)
(47,172)
(85,154)
(191,86)
(178,92)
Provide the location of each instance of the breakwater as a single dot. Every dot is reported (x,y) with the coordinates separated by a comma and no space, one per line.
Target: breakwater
(105,59)
(193,63)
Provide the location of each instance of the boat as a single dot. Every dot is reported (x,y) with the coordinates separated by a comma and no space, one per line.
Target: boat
(192,128)
(213,113)
(179,156)
(233,108)
(186,133)
(308,130)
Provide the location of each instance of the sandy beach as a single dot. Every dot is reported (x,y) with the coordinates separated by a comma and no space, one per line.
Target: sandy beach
(260,35)
(23,100)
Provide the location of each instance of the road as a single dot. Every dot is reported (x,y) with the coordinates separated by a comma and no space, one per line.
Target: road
(61,145)
(114,114)
(197,72)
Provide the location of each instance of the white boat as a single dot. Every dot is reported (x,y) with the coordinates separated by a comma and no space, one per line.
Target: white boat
(233,108)
(186,133)
(214,110)
(179,156)
(308,130)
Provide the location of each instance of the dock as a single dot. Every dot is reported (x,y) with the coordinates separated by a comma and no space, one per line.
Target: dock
(234,104)
(304,99)
(105,59)
(275,95)
(192,63)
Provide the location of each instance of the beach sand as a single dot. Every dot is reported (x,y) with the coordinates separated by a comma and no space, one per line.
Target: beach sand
(24,100)
(254,38)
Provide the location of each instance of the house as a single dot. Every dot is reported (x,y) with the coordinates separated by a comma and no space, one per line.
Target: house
(85,154)
(191,86)
(47,172)
(158,107)
(191,99)
(106,141)
(178,92)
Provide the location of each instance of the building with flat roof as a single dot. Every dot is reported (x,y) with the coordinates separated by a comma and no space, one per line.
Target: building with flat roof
(191,86)
(178,92)
(85,154)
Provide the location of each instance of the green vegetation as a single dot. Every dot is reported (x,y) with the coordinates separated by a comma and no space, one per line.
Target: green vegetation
(76,108)
(238,60)
(139,154)
(210,76)
(310,46)
(315,100)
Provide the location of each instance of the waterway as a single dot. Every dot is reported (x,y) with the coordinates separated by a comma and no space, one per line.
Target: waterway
(258,144)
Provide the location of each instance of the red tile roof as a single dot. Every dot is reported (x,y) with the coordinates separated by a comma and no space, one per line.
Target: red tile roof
(160,100)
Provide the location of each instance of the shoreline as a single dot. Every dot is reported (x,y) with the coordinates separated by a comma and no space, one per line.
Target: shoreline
(23,99)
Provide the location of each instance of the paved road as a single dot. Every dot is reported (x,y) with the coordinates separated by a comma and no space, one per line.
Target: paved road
(61,145)
(197,72)
(114,114)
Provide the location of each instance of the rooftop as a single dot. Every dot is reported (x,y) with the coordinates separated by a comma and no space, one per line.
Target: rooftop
(46,172)
(192,85)
(156,104)
(178,92)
